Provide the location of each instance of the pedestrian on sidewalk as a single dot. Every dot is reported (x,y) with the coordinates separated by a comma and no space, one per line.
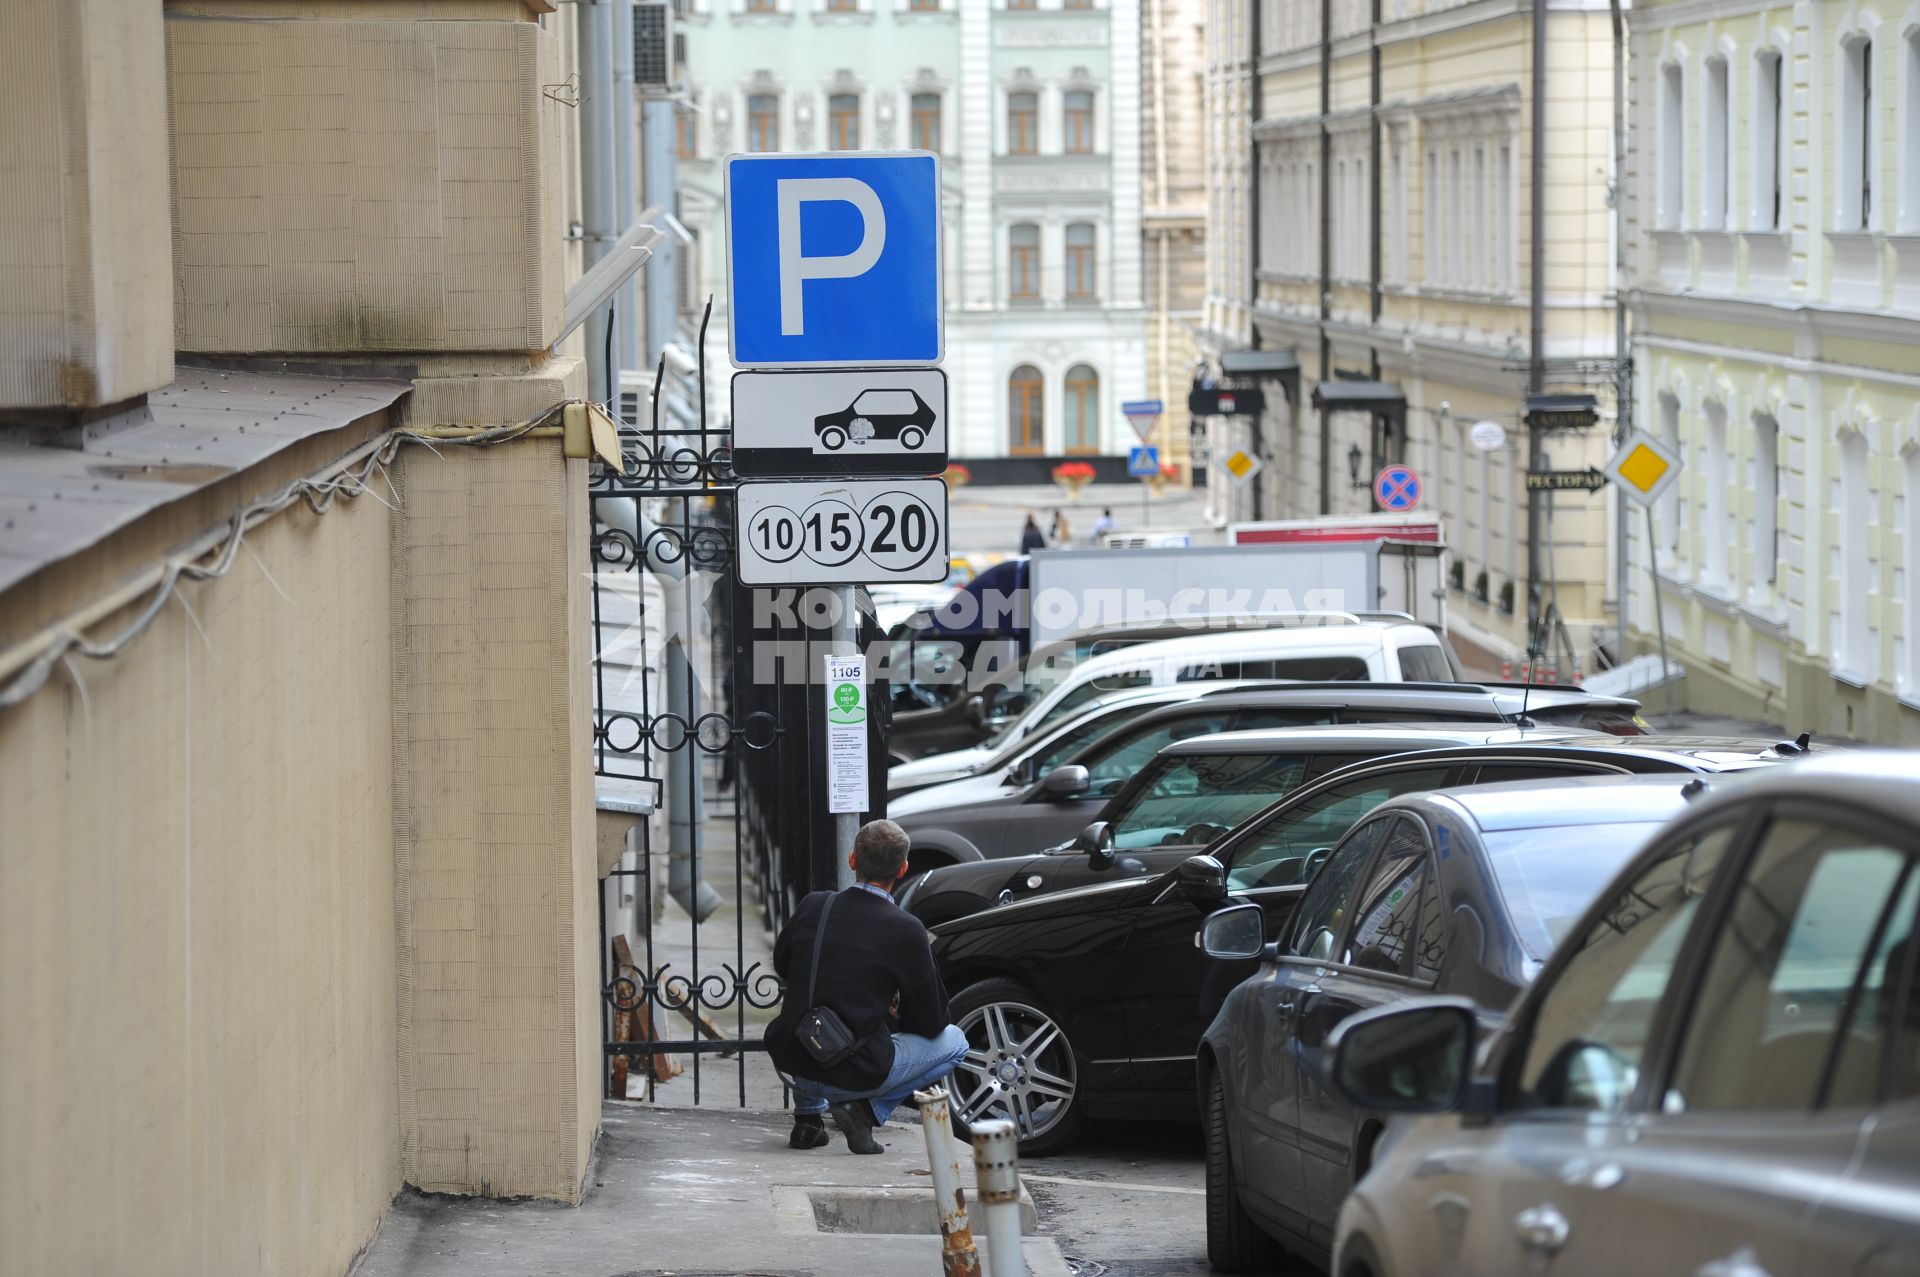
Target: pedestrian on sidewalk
(1062,532)
(1031,537)
(1103,525)
(869,971)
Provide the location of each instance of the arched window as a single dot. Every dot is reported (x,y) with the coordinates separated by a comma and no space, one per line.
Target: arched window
(1910,162)
(1767,116)
(1023,262)
(1077,133)
(1855,161)
(1023,124)
(1852,646)
(843,121)
(1715,154)
(1765,549)
(1026,434)
(1083,409)
(1713,517)
(1670,512)
(1672,157)
(1910,577)
(763,122)
(1081,261)
(926,122)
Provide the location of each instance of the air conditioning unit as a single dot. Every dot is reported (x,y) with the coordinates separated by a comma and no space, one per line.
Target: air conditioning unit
(654,48)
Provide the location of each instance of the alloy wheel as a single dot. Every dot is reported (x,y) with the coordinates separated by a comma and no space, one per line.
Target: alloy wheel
(1018,1066)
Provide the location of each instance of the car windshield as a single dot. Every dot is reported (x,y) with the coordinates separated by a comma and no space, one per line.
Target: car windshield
(1193,799)
(1550,876)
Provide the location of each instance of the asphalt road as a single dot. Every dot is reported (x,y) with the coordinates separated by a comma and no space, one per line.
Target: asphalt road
(1127,1201)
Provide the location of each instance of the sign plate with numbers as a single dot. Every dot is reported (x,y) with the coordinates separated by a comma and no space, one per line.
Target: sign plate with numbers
(841,532)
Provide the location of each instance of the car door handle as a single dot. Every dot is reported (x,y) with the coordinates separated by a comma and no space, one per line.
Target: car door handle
(1542,1229)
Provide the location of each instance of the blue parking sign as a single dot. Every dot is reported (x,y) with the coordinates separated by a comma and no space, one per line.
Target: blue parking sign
(834,259)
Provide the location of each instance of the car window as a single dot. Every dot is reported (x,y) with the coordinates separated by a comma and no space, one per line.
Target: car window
(926,673)
(1280,852)
(1592,1025)
(1399,904)
(1548,877)
(1118,760)
(1074,739)
(1308,669)
(1092,690)
(1495,773)
(1794,1009)
(1425,663)
(1328,903)
(1483,712)
(1193,799)
(898,403)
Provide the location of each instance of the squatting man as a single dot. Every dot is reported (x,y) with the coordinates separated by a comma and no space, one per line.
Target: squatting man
(864,1024)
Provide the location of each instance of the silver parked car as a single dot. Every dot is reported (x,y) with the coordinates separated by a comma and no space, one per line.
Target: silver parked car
(1717,1072)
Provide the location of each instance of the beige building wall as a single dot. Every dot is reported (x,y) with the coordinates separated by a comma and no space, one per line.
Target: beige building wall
(496,907)
(84,268)
(196,926)
(1454,326)
(1173,209)
(1775,345)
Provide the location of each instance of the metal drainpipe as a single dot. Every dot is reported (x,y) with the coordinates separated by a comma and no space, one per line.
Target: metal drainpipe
(1537,317)
(597,211)
(626,190)
(682,791)
(1326,248)
(1622,353)
(659,170)
(1257,431)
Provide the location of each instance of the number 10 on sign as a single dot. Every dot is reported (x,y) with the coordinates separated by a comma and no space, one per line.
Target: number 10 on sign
(841,533)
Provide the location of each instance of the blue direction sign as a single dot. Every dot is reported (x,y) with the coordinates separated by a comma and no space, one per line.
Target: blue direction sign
(834,259)
(1143,463)
(1397,488)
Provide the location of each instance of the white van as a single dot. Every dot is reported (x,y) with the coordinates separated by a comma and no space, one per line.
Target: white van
(1353,650)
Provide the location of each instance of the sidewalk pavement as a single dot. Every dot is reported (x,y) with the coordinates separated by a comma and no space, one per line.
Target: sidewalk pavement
(711,1192)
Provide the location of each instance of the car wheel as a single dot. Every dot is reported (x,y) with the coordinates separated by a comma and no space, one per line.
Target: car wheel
(832,437)
(912,437)
(1235,1243)
(1019,1065)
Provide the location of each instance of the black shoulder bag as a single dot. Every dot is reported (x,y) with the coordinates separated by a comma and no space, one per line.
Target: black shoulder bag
(821,1030)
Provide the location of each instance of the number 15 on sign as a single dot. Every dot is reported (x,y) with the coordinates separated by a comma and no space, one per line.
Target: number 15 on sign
(864,532)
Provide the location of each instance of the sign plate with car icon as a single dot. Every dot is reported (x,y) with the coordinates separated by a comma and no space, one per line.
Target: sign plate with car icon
(847,421)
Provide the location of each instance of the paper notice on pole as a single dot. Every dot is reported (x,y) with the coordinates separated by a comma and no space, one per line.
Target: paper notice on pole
(846,734)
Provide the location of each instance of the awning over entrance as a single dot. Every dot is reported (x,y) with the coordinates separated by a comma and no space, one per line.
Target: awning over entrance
(1382,398)
(1259,363)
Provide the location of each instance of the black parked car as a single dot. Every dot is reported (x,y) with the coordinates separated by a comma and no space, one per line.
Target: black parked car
(900,414)
(1103,989)
(1111,848)
(1463,892)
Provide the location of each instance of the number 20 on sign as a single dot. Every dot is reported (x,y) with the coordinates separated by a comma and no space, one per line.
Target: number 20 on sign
(846,532)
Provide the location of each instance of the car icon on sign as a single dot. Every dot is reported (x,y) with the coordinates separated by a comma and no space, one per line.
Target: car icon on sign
(900,415)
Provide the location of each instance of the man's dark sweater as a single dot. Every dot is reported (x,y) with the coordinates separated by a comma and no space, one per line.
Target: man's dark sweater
(874,949)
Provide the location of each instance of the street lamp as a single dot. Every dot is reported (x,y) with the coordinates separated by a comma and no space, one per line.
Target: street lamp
(1354,458)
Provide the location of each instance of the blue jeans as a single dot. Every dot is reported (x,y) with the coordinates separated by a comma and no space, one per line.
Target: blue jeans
(917,1064)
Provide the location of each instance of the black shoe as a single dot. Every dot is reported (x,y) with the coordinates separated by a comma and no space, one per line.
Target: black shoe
(809,1131)
(855,1120)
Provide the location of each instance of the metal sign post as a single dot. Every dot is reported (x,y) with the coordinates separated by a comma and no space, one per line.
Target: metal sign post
(1643,469)
(1143,463)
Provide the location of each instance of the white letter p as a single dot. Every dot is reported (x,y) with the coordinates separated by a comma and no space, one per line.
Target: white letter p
(796,267)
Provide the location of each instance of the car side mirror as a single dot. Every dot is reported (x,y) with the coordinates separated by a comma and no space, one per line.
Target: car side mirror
(1202,879)
(1237,931)
(1414,1057)
(1070,780)
(1095,842)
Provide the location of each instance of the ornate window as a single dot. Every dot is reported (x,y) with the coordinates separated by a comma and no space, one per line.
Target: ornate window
(1856,136)
(926,122)
(1767,135)
(763,122)
(1023,124)
(843,6)
(1022,4)
(1077,133)
(1672,174)
(1023,262)
(1026,436)
(1083,409)
(1082,258)
(843,122)
(763,6)
(1716,155)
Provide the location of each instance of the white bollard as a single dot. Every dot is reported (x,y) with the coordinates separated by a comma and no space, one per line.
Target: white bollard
(996,1168)
(958,1257)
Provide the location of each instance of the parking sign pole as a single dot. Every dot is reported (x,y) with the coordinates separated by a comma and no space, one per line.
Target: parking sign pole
(844,640)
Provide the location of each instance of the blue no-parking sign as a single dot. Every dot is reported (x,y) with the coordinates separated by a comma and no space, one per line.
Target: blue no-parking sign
(1397,488)
(1143,463)
(834,259)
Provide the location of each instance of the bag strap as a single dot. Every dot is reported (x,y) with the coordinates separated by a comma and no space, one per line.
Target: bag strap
(819,939)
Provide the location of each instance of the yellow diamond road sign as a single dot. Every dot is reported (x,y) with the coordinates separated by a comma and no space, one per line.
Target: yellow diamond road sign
(1644,467)
(1243,465)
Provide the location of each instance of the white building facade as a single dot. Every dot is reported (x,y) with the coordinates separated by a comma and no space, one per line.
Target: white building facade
(1035,111)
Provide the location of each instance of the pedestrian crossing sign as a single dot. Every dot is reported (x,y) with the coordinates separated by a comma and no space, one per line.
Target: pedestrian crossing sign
(1243,465)
(1644,467)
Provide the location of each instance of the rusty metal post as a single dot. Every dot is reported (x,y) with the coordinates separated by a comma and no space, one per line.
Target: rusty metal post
(996,1168)
(958,1257)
